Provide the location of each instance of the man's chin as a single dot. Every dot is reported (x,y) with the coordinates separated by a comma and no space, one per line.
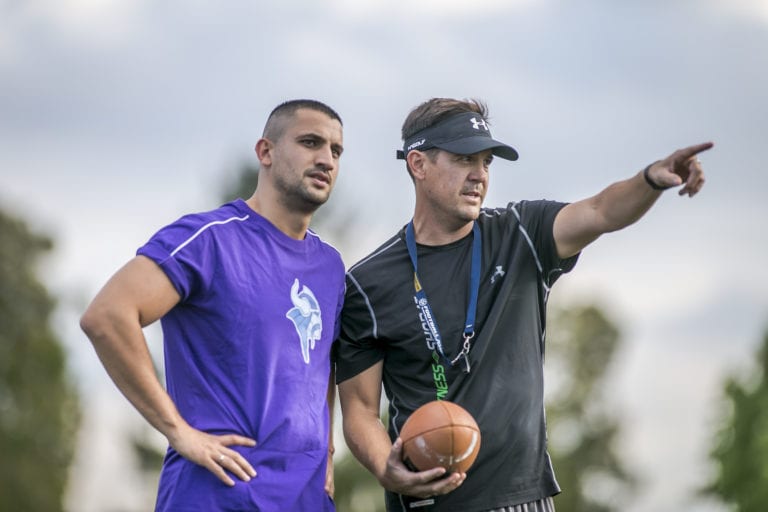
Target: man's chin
(471,214)
(311,202)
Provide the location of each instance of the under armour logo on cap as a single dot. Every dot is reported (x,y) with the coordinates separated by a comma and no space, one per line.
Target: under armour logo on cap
(462,134)
(477,124)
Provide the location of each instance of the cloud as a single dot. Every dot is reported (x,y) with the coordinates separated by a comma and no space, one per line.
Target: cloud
(84,22)
(745,10)
(429,10)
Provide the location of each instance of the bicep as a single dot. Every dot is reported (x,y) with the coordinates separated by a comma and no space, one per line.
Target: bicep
(361,394)
(140,290)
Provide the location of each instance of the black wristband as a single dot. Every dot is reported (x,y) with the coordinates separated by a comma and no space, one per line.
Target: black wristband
(649,181)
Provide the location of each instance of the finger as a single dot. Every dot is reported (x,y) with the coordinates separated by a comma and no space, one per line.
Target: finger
(234,439)
(216,468)
(430,475)
(396,460)
(438,487)
(686,153)
(232,465)
(694,187)
(450,483)
(662,174)
(695,178)
(396,454)
(242,465)
(397,448)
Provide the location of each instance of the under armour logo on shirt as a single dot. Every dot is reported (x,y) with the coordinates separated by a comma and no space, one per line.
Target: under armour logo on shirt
(477,124)
(499,273)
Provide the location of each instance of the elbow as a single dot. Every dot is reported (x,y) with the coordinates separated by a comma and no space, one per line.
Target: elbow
(95,323)
(89,323)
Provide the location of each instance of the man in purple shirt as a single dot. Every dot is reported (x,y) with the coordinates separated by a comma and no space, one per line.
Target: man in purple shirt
(249,300)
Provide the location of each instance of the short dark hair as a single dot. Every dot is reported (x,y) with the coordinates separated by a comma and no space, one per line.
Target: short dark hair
(432,112)
(435,110)
(274,129)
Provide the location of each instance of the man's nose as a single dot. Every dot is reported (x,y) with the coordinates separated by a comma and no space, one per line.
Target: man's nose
(479,172)
(324,159)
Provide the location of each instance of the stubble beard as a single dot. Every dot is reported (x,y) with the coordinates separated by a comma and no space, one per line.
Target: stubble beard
(299,196)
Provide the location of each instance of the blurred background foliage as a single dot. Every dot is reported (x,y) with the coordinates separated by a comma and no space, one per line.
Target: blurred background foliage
(583,427)
(39,408)
(740,449)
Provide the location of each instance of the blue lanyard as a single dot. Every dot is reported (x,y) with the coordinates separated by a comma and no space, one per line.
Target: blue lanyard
(423,304)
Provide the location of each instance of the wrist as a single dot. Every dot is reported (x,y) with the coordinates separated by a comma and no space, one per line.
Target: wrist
(649,180)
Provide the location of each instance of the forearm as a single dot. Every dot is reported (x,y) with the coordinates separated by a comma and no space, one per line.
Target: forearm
(123,351)
(368,441)
(623,203)
(615,207)
(331,399)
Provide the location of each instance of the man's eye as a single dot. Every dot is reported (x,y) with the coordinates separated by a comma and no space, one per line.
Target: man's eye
(310,143)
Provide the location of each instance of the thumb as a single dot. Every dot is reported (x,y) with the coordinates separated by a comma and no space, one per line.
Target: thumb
(397,447)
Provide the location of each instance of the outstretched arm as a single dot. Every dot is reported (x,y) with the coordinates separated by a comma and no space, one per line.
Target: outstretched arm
(623,203)
(367,438)
(137,295)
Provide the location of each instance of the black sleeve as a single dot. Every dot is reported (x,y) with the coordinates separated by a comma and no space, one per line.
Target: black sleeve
(538,219)
(357,348)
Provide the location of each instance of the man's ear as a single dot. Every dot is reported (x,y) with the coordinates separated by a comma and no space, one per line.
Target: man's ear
(264,148)
(417,162)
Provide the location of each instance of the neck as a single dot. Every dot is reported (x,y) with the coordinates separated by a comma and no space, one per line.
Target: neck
(430,231)
(293,224)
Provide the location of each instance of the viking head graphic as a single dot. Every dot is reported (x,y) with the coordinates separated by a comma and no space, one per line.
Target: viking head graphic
(305,315)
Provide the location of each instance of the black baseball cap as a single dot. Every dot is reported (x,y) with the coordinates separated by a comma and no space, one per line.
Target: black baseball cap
(462,134)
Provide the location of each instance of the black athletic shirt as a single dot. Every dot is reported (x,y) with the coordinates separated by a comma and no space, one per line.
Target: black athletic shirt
(504,390)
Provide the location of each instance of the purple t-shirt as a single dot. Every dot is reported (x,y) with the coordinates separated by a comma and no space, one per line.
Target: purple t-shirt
(247,351)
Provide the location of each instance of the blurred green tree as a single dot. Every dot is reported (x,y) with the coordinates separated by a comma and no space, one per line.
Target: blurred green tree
(740,449)
(356,487)
(583,430)
(39,408)
(243,184)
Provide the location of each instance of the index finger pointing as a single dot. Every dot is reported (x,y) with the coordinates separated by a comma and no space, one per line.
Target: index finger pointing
(690,151)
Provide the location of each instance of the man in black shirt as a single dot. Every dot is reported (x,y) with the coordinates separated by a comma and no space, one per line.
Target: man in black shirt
(453,308)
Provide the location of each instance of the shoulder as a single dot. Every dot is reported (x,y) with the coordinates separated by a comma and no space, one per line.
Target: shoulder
(224,214)
(201,225)
(190,227)
(325,248)
(521,212)
(384,254)
(519,208)
(380,271)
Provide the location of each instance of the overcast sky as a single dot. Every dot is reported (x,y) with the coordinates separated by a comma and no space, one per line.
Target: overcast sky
(118,116)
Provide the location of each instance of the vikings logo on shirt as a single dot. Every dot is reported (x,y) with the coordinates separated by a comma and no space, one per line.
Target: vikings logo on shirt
(305,316)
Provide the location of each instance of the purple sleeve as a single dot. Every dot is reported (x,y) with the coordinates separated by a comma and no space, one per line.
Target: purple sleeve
(173,252)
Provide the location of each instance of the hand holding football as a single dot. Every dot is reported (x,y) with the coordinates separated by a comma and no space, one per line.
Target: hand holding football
(440,433)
